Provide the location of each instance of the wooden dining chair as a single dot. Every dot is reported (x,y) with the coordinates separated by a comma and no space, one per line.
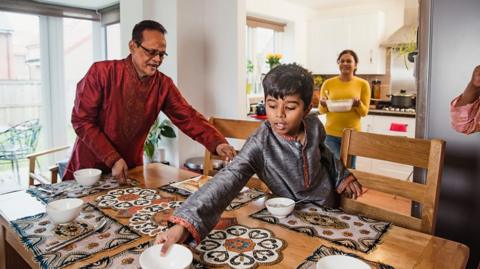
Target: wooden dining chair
(420,153)
(54,169)
(231,129)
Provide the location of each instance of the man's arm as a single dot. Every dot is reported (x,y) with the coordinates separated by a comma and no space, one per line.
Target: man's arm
(88,102)
(465,109)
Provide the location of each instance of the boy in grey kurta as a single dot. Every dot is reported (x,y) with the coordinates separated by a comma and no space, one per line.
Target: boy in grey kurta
(287,152)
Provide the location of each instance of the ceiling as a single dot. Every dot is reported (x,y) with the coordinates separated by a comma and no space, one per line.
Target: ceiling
(317,4)
(88,4)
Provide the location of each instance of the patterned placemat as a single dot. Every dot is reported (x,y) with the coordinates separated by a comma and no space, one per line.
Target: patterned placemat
(38,232)
(356,232)
(49,192)
(129,259)
(189,186)
(239,246)
(311,261)
(126,198)
(153,219)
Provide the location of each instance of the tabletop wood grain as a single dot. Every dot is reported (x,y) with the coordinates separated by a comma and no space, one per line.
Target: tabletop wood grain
(400,248)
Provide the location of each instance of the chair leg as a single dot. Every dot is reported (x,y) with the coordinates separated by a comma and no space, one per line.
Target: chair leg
(18,172)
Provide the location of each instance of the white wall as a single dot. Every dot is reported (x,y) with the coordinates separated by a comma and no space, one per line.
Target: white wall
(205,43)
(295,16)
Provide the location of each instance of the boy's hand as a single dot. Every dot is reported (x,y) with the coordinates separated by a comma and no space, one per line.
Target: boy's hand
(351,187)
(175,234)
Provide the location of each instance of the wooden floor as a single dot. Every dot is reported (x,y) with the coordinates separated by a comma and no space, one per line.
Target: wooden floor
(387,201)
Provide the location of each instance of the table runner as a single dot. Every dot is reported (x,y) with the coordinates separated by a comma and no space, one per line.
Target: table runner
(153,219)
(186,189)
(311,261)
(356,232)
(38,232)
(129,259)
(72,189)
(240,246)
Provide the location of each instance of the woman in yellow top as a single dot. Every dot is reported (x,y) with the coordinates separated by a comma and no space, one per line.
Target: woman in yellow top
(344,86)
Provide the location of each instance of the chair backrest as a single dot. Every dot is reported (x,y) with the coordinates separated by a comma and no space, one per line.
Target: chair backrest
(236,129)
(420,153)
(21,139)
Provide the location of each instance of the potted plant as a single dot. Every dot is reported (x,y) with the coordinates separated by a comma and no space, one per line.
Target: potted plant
(151,148)
(273,59)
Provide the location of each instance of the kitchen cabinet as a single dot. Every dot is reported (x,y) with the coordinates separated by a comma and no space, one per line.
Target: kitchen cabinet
(362,33)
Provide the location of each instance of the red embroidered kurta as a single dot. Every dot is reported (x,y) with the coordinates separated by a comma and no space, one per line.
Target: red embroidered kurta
(114,110)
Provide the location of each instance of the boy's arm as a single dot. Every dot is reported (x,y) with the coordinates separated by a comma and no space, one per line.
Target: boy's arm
(201,211)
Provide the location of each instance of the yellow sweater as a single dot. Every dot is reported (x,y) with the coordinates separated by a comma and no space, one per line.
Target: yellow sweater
(333,89)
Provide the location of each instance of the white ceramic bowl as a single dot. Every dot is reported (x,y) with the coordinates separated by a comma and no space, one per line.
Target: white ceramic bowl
(64,210)
(177,257)
(341,262)
(87,176)
(340,105)
(280,207)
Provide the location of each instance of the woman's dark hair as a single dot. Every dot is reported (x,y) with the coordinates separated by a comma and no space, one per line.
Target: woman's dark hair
(137,33)
(351,52)
(289,79)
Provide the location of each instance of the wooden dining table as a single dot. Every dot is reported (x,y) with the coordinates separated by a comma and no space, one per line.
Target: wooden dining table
(399,247)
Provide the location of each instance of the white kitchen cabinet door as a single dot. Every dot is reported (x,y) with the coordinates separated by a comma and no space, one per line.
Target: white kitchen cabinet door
(362,33)
(366,32)
(382,124)
(326,39)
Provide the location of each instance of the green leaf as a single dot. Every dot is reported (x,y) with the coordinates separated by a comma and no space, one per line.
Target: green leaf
(149,148)
(167,131)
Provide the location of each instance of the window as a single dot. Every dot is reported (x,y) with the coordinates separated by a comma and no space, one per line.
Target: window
(113,41)
(262,37)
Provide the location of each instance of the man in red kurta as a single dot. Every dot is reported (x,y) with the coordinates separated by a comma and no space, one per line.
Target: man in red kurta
(118,101)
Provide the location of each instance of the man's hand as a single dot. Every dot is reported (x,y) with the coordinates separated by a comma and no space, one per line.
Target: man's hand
(472,91)
(120,171)
(175,234)
(351,187)
(226,151)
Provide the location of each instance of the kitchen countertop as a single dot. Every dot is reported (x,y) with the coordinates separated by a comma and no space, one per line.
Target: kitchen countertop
(381,113)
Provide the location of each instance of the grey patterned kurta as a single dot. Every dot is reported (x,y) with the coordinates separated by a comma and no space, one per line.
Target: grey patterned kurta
(287,167)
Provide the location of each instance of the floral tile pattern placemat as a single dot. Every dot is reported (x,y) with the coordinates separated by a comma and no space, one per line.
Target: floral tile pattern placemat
(323,251)
(153,219)
(38,232)
(129,259)
(126,198)
(189,186)
(356,232)
(71,189)
(240,246)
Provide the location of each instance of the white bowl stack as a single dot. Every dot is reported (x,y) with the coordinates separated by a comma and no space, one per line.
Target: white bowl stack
(280,207)
(87,176)
(64,210)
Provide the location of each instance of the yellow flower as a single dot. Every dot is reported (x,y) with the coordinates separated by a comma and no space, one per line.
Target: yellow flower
(273,59)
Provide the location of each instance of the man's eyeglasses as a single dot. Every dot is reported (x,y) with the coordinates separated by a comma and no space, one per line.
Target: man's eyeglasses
(153,52)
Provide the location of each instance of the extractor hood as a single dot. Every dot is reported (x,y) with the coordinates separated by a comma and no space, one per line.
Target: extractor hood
(407,34)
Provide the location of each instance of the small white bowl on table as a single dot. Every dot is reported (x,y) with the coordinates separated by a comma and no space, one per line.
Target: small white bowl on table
(341,262)
(280,207)
(87,176)
(64,210)
(340,105)
(177,257)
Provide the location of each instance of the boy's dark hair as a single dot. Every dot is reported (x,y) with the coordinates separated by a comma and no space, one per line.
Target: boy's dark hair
(137,33)
(289,79)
